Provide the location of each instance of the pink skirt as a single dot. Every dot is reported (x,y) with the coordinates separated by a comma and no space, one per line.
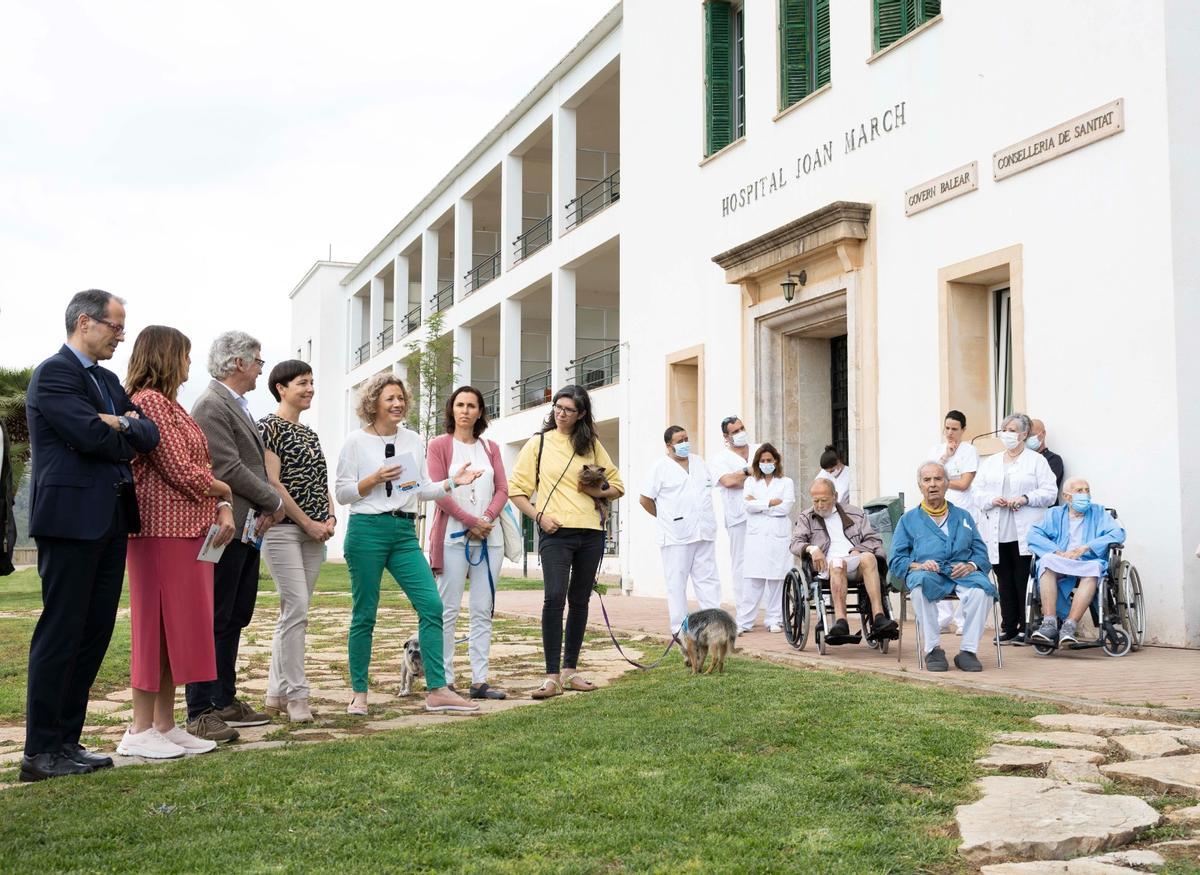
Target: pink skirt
(171,598)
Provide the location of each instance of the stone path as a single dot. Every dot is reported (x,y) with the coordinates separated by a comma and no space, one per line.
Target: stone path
(516,666)
(1071,806)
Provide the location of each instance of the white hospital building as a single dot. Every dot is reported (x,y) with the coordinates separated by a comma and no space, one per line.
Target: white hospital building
(983,207)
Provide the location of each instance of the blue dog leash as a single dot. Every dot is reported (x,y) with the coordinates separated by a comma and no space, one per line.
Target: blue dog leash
(483,558)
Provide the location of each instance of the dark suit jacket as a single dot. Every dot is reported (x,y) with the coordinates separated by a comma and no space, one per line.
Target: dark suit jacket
(77,459)
(238,455)
(8,494)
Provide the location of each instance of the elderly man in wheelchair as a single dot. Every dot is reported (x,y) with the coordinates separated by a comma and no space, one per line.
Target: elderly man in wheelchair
(1072,544)
(838,543)
(937,551)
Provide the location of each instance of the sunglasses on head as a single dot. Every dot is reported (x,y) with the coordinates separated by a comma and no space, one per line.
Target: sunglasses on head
(389,450)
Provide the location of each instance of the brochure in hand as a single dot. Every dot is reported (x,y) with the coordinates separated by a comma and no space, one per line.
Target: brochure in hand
(410,473)
(249,535)
(209,553)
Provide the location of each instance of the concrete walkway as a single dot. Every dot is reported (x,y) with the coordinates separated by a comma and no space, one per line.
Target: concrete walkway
(1152,678)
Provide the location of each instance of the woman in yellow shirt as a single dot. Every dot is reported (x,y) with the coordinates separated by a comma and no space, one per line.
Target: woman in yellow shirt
(545,487)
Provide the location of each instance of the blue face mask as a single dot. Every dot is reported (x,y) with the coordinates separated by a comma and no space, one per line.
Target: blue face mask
(1080,502)
(682,450)
(767,467)
(1033,442)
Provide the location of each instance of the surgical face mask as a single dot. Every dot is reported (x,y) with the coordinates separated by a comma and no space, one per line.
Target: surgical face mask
(682,450)
(1033,442)
(1080,502)
(1009,439)
(740,439)
(767,467)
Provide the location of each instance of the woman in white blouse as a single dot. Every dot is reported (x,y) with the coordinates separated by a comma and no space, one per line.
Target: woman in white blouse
(381,475)
(1011,492)
(769,497)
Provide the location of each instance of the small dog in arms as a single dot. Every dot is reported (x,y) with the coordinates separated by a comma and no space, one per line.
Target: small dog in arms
(593,475)
(710,632)
(412,667)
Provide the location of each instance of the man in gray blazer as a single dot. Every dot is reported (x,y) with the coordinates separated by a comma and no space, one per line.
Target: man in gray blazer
(223,414)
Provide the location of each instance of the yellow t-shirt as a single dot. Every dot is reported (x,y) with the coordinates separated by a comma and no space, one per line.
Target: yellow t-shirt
(573,509)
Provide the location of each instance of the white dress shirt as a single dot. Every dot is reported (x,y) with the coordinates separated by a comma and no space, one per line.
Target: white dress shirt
(363,454)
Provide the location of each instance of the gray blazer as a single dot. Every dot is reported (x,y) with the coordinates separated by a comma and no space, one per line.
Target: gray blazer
(237,452)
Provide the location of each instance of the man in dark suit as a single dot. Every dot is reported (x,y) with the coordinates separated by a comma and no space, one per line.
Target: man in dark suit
(238,458)
(8,495)
(83,432)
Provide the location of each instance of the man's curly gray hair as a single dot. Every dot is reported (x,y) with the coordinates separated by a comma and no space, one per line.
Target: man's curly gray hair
(228,349)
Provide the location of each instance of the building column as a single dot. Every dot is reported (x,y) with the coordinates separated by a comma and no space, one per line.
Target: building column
(429,271)
(512,199)
(563,167)
(464,240)
(400,305)
(376,316)
(562,327)
(510,352)
(356,328)
(462,351)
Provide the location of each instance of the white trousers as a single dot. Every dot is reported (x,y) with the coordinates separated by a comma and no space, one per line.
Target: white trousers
(294,560)
(975,605)
(451,583)
(949,611)
(697,560)
(737,548)
(754,589)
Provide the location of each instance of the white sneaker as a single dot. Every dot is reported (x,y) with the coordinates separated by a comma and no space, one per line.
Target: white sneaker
(774,627)
(190,743)
(150,744)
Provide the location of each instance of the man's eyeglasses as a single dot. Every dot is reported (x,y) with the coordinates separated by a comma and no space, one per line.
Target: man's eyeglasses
(389,450)
(118,330)
(559,410)
(728,421)
(259,362)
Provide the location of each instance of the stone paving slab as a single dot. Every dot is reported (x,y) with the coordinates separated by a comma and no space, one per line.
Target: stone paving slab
(1106,864)
(1149,745)
(1179,774)
(1033,818)
(1189,815)
(1059,739)
(1101,724)
(1074,773)
(1014,757)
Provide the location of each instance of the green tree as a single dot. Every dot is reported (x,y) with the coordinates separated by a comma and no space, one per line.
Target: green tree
(432,369)
(14,382)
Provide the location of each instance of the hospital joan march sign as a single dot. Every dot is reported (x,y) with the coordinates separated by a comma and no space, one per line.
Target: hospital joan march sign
(819,156)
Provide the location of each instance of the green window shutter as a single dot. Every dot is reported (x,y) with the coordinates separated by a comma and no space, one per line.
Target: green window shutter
(793,51)
(718,72)
(930,9)
(890,21)
(821,10)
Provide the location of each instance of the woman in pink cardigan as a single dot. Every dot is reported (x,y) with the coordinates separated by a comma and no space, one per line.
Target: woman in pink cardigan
(465,537)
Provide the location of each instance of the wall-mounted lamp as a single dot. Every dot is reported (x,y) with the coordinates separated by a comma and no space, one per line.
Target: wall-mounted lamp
(789,284)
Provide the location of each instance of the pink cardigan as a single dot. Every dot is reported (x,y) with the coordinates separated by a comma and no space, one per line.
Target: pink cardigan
(438,456)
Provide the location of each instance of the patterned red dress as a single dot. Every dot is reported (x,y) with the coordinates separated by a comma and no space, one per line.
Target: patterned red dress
(170,592)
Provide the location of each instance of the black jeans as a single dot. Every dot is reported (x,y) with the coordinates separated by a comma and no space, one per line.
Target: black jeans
(570,558)
(1012,579)
(235,589)
(81,587)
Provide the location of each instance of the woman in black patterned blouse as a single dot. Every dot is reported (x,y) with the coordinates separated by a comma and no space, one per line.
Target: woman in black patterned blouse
(294,549)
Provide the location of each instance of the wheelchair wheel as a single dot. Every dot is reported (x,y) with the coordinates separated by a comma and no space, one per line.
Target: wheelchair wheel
(795,610)
(1131,606)
(820,622)
(1116,642)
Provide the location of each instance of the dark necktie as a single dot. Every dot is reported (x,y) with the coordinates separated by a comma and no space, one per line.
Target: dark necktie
(96,375)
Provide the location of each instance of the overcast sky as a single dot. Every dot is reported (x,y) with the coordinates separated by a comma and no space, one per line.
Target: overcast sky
(196,159)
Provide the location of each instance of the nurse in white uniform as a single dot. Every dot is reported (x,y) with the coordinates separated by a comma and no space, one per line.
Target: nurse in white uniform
(769,497)
(732,466)
(961,461)
(835,469)
(678,492)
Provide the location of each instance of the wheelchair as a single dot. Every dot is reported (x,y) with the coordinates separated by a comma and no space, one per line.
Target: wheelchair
(806,595)
(1118,609)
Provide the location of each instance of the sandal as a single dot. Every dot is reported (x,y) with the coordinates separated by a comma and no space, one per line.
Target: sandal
(548,690)
(574,683)
(355,709)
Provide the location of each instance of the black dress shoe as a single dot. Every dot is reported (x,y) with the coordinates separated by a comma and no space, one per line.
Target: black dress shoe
(78,754)
(483,691)
(50,765)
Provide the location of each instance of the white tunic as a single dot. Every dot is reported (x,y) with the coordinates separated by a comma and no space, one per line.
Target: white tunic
(768,529)
(475,497)
(843,483)
(683,501)
(733,502)
(964,461)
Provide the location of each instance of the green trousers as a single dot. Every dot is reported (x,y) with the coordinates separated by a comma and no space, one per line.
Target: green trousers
(375,542)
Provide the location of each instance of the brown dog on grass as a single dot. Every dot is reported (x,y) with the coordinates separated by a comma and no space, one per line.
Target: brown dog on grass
(708,632)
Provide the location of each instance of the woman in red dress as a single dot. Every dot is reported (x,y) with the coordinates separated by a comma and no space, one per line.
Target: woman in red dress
(170,591)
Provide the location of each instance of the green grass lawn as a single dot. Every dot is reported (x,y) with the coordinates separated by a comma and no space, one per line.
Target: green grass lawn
(764,768)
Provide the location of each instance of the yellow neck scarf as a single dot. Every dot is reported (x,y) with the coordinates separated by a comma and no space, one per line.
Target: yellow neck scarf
(935,513)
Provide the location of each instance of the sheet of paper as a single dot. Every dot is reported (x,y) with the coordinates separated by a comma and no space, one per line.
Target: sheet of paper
(410,472)
(209,553)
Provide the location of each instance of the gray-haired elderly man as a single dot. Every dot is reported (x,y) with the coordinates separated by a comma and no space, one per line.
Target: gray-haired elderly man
(238,459)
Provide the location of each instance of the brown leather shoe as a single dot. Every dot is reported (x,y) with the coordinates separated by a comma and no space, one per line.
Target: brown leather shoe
(209,725)
(238,713)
